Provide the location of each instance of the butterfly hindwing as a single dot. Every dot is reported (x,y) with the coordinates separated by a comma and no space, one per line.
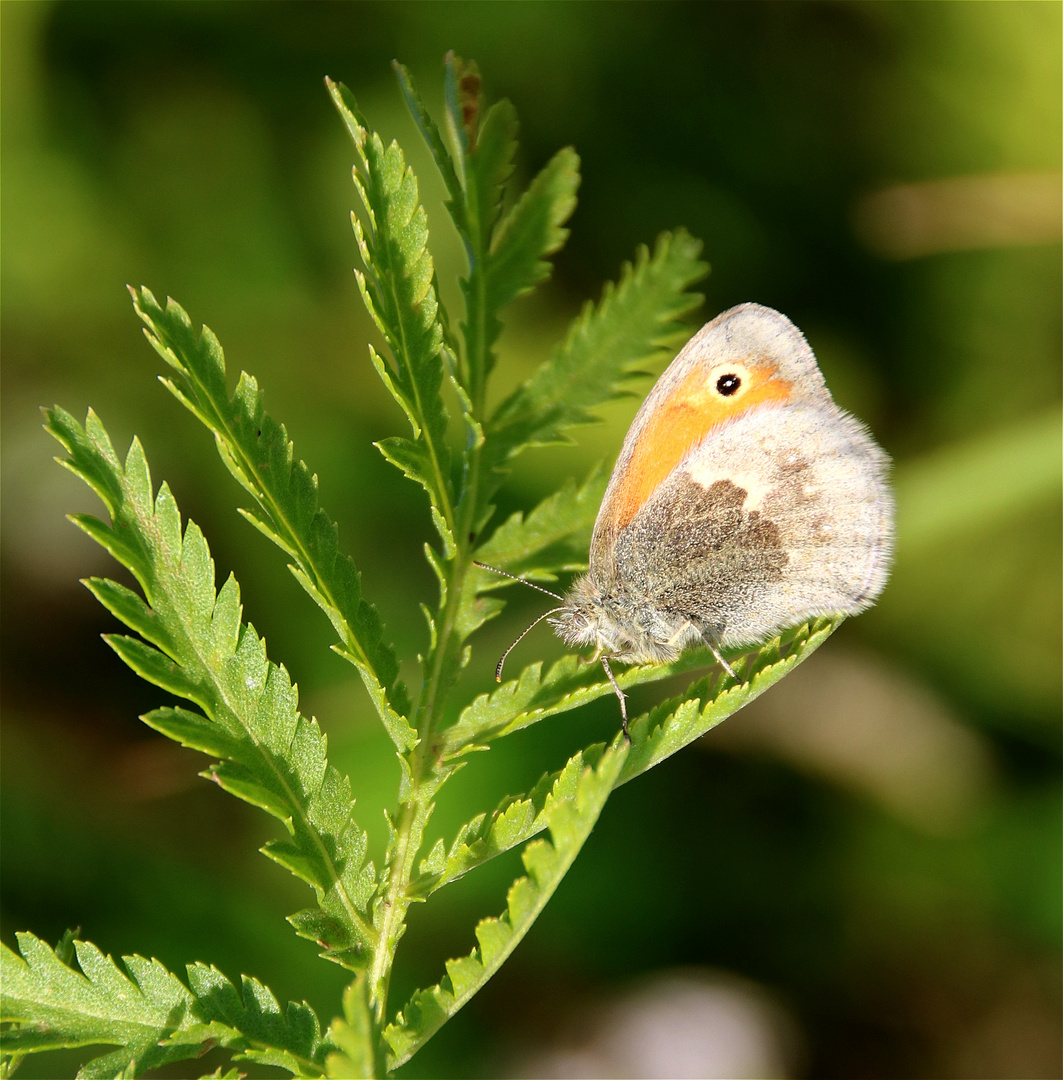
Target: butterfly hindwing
(752,531)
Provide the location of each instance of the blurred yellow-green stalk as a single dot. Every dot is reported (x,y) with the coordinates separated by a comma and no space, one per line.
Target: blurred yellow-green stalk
(868,861)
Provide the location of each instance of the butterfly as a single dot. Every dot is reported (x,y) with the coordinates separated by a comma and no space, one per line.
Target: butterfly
(744,501)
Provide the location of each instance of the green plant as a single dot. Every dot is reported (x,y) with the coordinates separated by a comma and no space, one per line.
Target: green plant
(190,638)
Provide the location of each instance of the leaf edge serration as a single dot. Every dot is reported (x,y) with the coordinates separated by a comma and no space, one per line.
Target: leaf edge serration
(273,757)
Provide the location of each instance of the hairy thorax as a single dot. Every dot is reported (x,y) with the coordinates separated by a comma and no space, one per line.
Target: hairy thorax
(620,627)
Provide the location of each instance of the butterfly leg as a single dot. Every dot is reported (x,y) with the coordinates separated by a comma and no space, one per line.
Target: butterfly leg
(723,663)
(621,696)
(709,637)
(671,642)
(706,637)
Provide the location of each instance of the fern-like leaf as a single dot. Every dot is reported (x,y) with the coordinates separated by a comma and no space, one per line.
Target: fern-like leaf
(257,451)
(190,638)
(571,682)
(195,645)
(536,694)
(655,736)
(507,256)
(489,166)
(148,1012)
(440,154)
(510,824)
(461,91)
(533,230)
(634,325)
(570,821)
(489,156)
(355,1036)
(551,538)
(399,291)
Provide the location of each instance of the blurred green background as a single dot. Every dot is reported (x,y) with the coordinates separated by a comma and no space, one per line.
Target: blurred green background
(874,848)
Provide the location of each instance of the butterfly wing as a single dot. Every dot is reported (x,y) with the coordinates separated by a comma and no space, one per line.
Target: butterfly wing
(783,514)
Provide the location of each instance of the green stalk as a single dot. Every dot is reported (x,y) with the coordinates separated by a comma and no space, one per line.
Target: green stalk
(424,781)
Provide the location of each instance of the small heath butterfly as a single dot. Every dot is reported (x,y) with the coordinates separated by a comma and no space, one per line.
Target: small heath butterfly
(744,501)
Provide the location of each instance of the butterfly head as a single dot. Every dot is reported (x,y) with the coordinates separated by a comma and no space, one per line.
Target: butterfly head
(589,617)
(579,621)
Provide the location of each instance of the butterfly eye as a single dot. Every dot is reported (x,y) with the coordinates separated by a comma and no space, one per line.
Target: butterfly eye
(726,385)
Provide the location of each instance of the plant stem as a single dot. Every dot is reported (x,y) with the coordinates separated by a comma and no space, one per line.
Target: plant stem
(424,777)
(424,784)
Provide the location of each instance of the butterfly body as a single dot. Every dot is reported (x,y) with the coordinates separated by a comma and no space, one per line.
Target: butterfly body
(744,501)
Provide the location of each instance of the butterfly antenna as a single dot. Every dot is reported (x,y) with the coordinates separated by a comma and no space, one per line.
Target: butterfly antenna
(523,634)
(522,580)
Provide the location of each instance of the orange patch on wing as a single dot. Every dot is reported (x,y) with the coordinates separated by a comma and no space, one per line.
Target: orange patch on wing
(679,423)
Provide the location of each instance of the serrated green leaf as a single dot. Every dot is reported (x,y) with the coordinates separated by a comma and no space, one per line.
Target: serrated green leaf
(507,257)
(130,608)
(510,824)
(489,165)
(156,667)
(655,735)
(413,460)
(572,682)
(399,289)
(257,451)
(570,822)
(333,936)
(194,642)
(271,756)
(194,731)
(635,324)
(461,91)
(288,1038)
(147,1011)
(440,153)
(435,861)
(355,1036)
(551,538)
(676,723)
(532,230)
